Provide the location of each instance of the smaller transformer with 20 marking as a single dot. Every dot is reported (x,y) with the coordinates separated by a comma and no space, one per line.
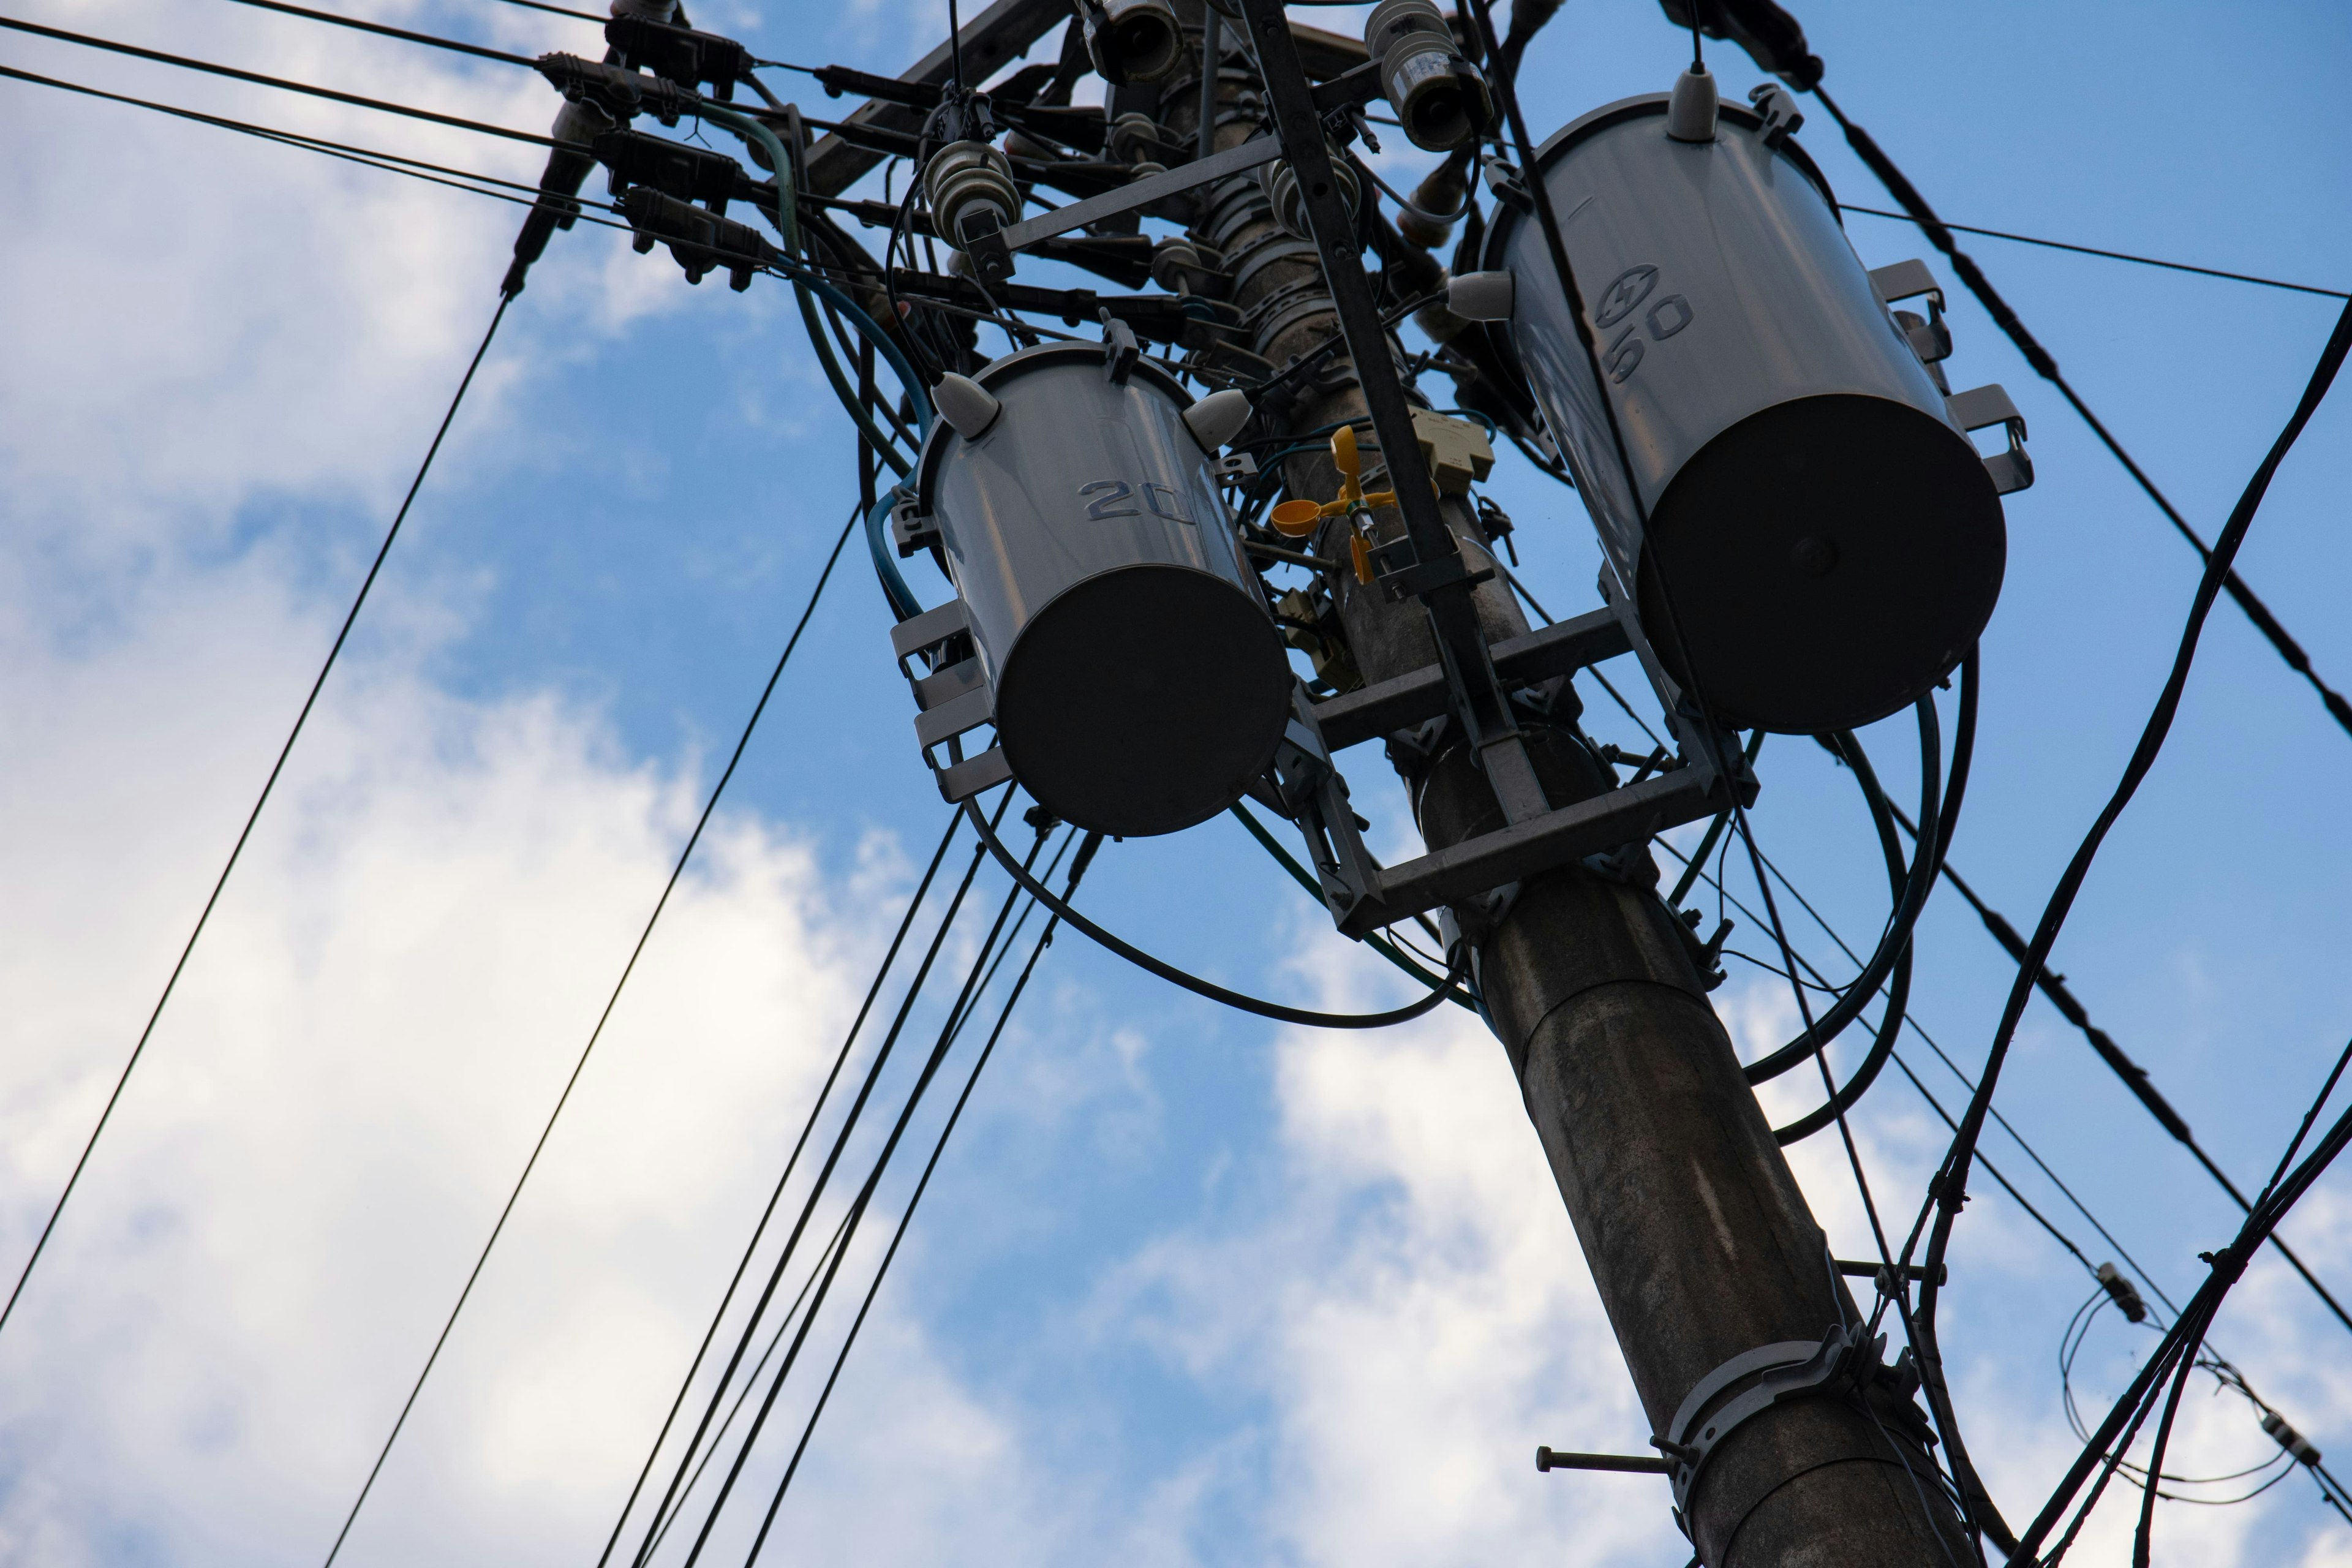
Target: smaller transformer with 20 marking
(1118,642)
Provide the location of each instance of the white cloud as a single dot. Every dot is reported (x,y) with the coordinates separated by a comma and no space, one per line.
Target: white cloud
(383,1011)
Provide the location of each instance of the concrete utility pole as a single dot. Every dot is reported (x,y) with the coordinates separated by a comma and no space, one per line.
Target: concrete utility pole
(1697,1237)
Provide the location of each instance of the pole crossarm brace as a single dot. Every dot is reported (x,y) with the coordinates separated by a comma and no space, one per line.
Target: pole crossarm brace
(994,252)
(1003,32)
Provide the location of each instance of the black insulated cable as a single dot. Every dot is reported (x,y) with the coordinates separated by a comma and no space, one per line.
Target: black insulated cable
(1192,983)
(1003,1015)
(1919,881)
(579,1067)
(858,1209)
(808,1207)
(2134,1076)
(390,163)
(2111,1440)
(245,833)
(2110,255)
(808,1127)
(1949,1189)
(402,34)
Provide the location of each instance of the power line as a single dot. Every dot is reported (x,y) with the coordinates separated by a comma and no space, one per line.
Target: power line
(402,34)
(644,936)
(257,80)
(922,1185)
(2134,1077)
(1236,1000)
(390,163)
(825,1091)
(808,1207)
(246,832)
(857,1208)
(1949,1189)
(2094,250)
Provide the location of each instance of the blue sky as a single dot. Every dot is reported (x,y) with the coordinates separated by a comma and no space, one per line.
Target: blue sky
(1189,1287)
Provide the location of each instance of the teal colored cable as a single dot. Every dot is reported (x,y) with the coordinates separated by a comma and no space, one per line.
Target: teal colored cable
(788,229)
(903,602)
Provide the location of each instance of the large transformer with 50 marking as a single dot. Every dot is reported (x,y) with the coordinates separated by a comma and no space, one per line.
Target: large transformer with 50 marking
(1119,643)
(1822,542)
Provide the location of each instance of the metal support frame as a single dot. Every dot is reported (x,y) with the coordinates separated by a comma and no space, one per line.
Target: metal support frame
(1470,681)
(1442,582)
(1364,895)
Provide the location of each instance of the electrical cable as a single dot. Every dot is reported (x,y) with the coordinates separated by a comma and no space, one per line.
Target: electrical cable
(1199,987)
(245,833)
(842,1230)
(1919,879)
(402,34)
(1842,1099)
(676,871)
(255,77)
(1964,267)
(858,1208)
(922,1185)
(388,162)
(808,1127)
(787,185)
(2225,1266)
(2220,1368)
(2134,1077)
(1949,1189)
(783,1326)
(565,11)
(2094,250)
(808,1208)
(1387,950)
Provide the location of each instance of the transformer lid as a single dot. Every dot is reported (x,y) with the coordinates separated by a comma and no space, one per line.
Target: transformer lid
(1729,116)
(997,374)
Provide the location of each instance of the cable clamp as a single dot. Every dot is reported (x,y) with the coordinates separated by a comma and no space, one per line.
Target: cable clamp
(1792,1369)
(911,531)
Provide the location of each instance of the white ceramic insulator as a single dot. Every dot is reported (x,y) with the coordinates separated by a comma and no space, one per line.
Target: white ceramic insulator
(1481,296)
(969,408)
(1218,418)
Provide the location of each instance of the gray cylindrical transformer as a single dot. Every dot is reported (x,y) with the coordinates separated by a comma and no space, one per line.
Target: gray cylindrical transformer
(1138,682)
(1823,542)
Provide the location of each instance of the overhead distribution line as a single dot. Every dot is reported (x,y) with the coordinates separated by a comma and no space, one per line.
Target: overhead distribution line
(560,11)
(2094,250)
(922,1185)
(861,1202)
(389,163)
(1964,267)
(2134,1076)
(1949,1191)
(402,34)
(670,1496)
(792,1162)
(676,871)
(2223,1370)
(256,78)
(245,833)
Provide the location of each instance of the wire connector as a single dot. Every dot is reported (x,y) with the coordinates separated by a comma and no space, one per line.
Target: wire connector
(619,92)
(2123,1292)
